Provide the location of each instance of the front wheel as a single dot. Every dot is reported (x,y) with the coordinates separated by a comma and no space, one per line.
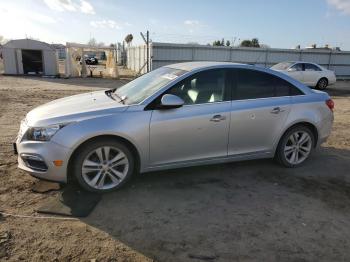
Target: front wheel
(295,146)
(103,165)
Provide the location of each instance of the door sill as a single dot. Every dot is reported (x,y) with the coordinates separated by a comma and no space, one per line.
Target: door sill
(208,161)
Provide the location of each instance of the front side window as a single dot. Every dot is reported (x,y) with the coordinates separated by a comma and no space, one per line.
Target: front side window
(311,67)
(252,84)
(204,87)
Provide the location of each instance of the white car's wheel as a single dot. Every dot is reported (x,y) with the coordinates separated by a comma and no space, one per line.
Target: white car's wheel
(322,84)
(103,165)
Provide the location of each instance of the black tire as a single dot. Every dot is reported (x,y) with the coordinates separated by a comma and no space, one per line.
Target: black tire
(322,83)
(280,154)
(86,149)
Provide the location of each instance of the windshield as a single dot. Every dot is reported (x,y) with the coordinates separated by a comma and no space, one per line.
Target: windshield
(139,89)
(282,66)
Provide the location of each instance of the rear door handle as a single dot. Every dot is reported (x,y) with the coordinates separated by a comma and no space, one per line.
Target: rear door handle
(217,118)
(277,110)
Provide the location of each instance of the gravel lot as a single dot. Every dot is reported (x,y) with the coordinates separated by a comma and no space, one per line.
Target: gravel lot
(245,211)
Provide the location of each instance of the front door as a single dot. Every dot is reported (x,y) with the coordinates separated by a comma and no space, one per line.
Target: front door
(296,72)
(199,129)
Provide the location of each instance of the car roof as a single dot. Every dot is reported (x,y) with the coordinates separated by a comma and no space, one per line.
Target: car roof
(189,66)
(304,62)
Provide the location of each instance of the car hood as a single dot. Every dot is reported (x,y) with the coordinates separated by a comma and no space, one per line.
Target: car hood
(74,108)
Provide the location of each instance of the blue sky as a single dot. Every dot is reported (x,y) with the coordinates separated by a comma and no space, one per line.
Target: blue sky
(277,23)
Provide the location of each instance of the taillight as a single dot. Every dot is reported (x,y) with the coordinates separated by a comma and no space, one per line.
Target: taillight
(330,104)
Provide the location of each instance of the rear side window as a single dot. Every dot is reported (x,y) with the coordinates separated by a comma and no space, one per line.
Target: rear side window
(252,84)
(311,67)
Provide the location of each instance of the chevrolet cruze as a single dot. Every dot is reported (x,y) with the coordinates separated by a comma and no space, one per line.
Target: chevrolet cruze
(175,116)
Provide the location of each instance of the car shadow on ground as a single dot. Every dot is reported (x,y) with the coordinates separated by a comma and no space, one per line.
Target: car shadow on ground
(242,210)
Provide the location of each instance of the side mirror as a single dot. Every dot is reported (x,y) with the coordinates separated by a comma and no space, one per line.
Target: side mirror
(171,101)
(292,69)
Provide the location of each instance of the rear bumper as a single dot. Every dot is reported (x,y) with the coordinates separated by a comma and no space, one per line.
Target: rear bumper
(41,157)
(325,128)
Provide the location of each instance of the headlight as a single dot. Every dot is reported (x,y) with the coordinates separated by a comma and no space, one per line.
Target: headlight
(42,133)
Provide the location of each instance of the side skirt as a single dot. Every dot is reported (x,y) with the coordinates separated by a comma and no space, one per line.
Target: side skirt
(209,161)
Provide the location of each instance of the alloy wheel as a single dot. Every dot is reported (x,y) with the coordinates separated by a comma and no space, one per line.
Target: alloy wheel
(298,147)
(105,167)
(322,84)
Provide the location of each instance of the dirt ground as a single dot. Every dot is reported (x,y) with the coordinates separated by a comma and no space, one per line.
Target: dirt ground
(243,211)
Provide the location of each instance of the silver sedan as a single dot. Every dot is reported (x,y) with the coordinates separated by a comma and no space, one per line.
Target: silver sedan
(175,116)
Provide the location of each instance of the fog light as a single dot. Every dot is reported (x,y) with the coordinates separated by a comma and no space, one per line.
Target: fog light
(34,162)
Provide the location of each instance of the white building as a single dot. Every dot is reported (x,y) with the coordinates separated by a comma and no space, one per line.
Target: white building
(29,57)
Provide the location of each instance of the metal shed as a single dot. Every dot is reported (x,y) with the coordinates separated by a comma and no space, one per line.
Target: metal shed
(29,57)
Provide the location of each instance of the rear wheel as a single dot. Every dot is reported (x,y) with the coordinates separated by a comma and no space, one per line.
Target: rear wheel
(103,165)
(295,146)
(322,84)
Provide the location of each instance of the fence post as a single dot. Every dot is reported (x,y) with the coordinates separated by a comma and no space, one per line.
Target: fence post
(266,56)
(329,59)
(192,53)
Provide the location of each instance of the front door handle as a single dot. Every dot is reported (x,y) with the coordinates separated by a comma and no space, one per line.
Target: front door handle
(277,110)
(217,118)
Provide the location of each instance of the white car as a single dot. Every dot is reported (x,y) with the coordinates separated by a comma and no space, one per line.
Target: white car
(310,74)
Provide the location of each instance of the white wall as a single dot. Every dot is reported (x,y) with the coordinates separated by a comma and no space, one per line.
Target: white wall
(9,58)
(165,54)
(137,58)
(50,61)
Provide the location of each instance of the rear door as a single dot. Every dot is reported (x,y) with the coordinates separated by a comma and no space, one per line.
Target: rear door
(199,129)
(260,106)
(312,74)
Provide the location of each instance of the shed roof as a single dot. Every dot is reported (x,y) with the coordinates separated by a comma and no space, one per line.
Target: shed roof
(27,44)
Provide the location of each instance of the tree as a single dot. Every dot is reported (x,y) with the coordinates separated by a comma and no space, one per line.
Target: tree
(92,42)
(219,42)
(128,39)
(246,43)
(100,44)
(2,40)
(255,42)
(250,43)
(216,43)
(228,43)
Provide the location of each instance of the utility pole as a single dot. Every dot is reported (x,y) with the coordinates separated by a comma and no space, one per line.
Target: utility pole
(146,40)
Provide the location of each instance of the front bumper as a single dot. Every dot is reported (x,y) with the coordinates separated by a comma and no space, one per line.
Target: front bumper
(48,152)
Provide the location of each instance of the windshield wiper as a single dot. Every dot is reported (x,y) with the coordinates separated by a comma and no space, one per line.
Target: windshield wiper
(109,93)
(112,92)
